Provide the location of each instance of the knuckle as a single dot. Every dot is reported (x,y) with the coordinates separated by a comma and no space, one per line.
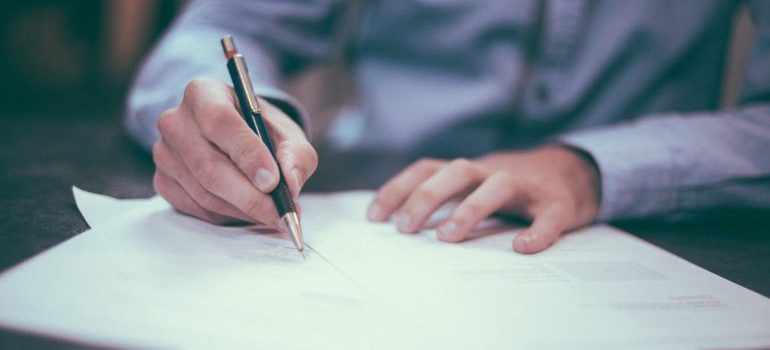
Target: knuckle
(215,111)
(426,166)
(157,152)
(208,201)
(562,206)
(161,155)
(212,121)
(425,163)
(424,196)
(244,154)
(205,172)
(461,162)
(505,183)
(463,167)
(161,158)
(166,122)
(470,210)
(502,178)
(195,88)
(389,196)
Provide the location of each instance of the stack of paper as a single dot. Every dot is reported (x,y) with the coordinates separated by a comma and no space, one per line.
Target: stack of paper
(146,276)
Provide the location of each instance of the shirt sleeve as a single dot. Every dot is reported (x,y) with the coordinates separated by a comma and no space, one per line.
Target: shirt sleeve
(278,38)
(687,162)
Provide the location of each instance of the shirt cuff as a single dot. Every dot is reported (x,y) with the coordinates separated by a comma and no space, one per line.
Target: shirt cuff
(141,123)
(277,97)
(637,171)
(288,104)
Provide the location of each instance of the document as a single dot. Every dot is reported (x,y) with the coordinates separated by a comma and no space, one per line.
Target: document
(597,288)
(99,209)
(152,278)
(146,276)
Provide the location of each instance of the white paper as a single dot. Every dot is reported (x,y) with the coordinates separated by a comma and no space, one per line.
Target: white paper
(155,278)
(595,288)
(98,209)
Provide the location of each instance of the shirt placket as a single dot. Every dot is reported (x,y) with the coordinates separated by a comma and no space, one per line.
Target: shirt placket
(563,25)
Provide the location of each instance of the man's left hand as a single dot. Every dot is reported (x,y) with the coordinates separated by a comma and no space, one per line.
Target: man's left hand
(555,187)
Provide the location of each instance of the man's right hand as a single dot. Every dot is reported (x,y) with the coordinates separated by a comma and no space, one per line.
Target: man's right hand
(209,164)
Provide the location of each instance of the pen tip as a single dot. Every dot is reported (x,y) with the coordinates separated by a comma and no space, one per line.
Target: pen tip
(291,221)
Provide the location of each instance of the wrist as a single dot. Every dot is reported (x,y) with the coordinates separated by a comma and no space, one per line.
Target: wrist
(586,177)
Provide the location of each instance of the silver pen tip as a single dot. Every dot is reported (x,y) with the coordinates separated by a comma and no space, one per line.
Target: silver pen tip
(291,221)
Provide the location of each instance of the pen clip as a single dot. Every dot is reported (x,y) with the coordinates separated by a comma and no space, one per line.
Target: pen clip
(248,89)
(239,71)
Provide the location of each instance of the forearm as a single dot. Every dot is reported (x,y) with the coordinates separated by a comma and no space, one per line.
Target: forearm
(182,56)
(679,163)
(272,35)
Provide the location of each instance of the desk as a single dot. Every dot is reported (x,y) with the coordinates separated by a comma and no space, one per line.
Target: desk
(40,159)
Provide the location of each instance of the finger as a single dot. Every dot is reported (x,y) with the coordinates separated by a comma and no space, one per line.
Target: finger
(214,110)
(170,164)
(546,227)
(391,195)
(497,191)
(455,177)
(298,160)
(214,171)
(170,190)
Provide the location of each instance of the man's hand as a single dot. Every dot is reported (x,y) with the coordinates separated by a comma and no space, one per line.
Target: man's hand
(209,163)
(555,187)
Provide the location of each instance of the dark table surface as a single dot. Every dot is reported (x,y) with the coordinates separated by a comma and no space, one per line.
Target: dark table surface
(41,158)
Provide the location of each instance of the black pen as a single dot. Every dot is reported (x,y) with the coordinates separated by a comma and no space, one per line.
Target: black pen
(252,113)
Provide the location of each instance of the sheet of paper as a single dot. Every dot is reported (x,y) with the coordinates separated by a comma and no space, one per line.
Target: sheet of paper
(98,208)
(598,288)
(155,278)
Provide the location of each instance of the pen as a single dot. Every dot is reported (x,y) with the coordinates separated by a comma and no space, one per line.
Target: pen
(252,114)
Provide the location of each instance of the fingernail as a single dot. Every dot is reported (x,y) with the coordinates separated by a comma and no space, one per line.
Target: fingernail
(526,240)
(264,179)
(374,212)
(403,222)
(447,230)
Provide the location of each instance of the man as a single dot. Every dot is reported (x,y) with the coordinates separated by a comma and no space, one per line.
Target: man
(569,111)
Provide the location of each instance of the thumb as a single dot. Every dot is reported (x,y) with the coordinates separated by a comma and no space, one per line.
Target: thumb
(546,228)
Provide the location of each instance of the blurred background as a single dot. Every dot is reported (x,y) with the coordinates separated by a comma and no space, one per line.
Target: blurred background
(75,58)
(74,55)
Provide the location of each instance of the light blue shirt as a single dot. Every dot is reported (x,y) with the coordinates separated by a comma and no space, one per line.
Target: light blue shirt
(634,83)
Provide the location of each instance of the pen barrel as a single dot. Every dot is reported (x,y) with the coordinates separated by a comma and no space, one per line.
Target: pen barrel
(281,195)
(250,112)
(239,73)
(282,199)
